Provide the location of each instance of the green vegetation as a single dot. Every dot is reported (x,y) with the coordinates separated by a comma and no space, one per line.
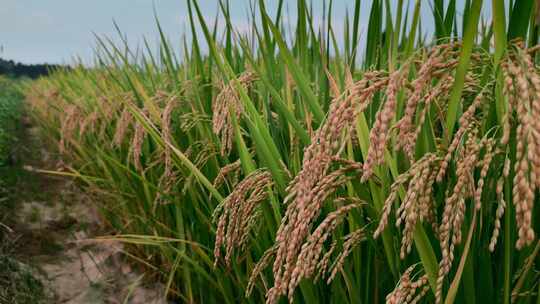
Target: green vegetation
(10,112)
(18,283)
(281,165)
(14,69)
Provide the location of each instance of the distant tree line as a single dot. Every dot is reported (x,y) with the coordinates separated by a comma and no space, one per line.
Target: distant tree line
(17,69)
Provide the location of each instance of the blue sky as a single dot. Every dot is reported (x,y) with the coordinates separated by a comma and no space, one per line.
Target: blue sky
(55,31)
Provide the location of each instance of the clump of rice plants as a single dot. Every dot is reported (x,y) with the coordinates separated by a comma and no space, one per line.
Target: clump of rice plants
(279,167)
(10,112)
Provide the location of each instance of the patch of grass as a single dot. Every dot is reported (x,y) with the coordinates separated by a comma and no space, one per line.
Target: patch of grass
(17,283)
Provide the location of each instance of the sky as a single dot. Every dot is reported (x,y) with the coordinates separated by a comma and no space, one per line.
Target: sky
(59,31)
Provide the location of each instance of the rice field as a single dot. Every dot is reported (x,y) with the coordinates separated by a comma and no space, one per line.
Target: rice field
(295,163)
(10,112)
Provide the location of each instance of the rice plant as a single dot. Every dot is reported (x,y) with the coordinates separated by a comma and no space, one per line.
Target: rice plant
(10,112)
(307,167)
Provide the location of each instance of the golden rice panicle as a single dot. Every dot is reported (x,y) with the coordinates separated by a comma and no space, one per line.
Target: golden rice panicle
(89,123)
(432,66)
(225,171)
(109,110)
(226,105)
(324,262)
(417,201)
(307,191)
(69,124)
(408,290)
(292,235)
(465,122)
(501,205)
(334,88)
(387,208)
(417,205)
(454,207)
(508,92)
(171,104)
(237,212)
(351,240)
(524,183)
(489,145)
(137,145)
(122,126)
(311,251)
(257,271)
(168,179)
(534,87)
(439,92)
(379,134)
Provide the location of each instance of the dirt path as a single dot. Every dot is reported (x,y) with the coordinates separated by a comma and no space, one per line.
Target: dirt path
(52,221)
